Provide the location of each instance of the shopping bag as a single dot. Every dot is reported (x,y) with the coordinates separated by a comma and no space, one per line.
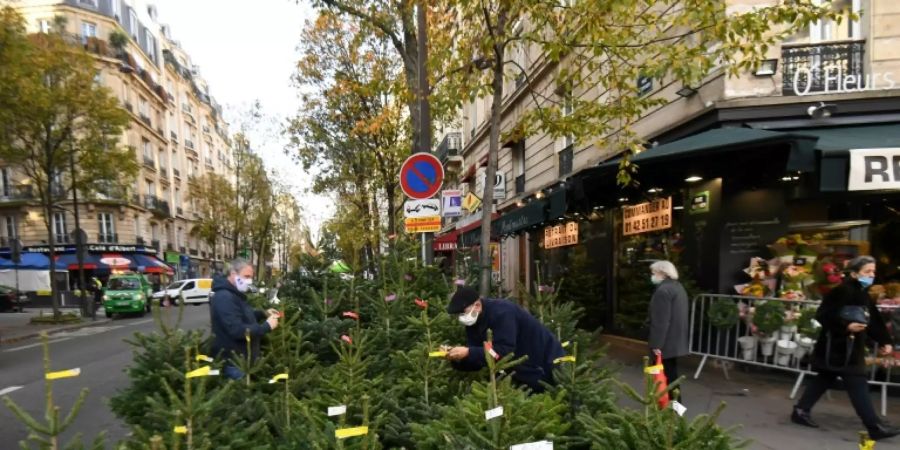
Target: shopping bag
(658,375)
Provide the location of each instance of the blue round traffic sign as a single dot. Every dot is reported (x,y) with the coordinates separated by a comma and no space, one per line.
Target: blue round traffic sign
(421,176)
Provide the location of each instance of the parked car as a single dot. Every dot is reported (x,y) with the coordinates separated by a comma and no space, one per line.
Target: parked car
(127,293)
(171,292)
(9,301)
(196,290)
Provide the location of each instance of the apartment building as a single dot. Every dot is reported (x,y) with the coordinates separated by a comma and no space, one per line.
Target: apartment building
(176,128)
(737,162)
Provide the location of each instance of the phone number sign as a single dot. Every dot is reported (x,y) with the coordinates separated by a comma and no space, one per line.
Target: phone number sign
(646,217)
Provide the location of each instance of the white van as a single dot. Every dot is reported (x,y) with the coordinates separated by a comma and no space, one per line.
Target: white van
(196,290)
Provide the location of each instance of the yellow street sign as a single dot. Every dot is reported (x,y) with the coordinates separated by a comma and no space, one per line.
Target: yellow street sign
(471,202)
(430,224)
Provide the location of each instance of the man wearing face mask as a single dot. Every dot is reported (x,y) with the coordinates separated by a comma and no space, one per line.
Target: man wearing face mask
(232,317)
(514,331)
(669,326)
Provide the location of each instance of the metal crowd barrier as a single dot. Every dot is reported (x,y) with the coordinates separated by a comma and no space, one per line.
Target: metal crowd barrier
(789,350)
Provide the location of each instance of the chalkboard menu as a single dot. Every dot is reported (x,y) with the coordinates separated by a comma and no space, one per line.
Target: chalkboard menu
(751,221)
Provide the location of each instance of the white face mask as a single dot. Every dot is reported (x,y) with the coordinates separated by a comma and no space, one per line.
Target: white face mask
(469,319)
(656,279)
(242,284)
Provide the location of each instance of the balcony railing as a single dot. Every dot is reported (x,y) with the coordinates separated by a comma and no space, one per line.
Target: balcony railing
(173,136)
(449,146)
(146,120)
(193,251)
(149,162)
(828,67)
(157,205)
(189,144)
(14,193)
(108,238)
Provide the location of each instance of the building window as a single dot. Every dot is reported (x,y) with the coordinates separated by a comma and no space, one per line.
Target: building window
(107,228)
(565,161)
(4,182)
(44,25)
(60,233)
(132,23)
(138,229)
(88,2)
(154,232)
(88,30)
(9,226)
(116,9)
(151,189)
(151,44)
(518,156)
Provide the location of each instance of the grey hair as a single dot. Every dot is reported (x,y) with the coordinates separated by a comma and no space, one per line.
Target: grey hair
(856,264)
(666,268)
(237,265)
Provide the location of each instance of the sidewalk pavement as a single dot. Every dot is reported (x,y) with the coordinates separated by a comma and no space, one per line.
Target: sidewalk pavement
(757,401)
(16,327)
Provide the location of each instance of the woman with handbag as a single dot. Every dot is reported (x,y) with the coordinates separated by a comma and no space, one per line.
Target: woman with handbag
(849,319)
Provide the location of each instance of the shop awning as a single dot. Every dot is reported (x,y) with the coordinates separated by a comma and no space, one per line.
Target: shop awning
(834,146)
(31,261)
(151,264)
(445,242)
(802,154)
(70,260)
(534,213)
(470,235)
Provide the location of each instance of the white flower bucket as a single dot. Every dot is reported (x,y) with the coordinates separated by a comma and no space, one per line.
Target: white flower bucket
(787,332)
(748,347)
(785,350)
(804,346)
(768,345)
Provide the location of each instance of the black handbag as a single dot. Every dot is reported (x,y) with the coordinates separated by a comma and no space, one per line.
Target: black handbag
(855,314)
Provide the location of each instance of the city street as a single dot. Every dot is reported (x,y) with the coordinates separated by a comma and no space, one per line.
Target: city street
(102,355)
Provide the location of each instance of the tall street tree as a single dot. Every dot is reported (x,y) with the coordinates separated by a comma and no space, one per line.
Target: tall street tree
(352,128)
(213,196)
(56,119)
(601,45)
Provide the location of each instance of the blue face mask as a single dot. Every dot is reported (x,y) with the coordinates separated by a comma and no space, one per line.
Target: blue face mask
(866,281)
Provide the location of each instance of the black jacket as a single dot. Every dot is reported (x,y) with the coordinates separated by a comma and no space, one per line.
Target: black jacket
(669,323)
(231,317)
(835,357)
(515,331)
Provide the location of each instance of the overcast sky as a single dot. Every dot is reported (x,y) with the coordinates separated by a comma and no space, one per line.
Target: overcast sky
(246,51)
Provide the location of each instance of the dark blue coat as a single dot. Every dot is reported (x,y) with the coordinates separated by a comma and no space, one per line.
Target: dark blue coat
(515,331)
(231,316)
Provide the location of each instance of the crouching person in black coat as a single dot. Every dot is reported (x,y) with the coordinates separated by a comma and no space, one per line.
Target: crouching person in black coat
(514,331)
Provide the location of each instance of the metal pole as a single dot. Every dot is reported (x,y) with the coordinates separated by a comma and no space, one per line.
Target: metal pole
(424,110)
(79,245)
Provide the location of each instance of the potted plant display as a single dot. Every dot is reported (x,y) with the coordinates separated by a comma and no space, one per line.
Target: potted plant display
(768,318)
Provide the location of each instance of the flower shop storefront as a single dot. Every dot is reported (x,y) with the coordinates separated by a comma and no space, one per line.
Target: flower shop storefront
(747,212)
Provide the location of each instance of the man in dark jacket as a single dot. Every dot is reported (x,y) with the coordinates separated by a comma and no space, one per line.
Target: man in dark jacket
(514,331)
(232,317)
(668,319)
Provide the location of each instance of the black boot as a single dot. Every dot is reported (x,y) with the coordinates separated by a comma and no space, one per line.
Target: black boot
(882,431)
(801,417)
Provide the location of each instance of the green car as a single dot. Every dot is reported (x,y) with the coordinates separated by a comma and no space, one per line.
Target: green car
(127,293)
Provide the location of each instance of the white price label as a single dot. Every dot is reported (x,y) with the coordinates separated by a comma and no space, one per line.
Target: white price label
(337,410)
(493,413)
(679,408)
(537,445)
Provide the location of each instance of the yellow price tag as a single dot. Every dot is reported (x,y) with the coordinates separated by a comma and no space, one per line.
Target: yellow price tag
(563,359)
(64,374)
(181,429)
(653,370)
(204,371)
(867,444)
(437,354)
(344,433)
(280,376)
(565,344)
(204,358)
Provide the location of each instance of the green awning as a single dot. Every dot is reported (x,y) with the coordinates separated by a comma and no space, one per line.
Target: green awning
(834,144)
(718,140)
(520,218)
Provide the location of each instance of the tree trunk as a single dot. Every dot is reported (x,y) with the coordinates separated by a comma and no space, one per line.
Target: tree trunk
(48,210)
(490,173)
(390,192)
